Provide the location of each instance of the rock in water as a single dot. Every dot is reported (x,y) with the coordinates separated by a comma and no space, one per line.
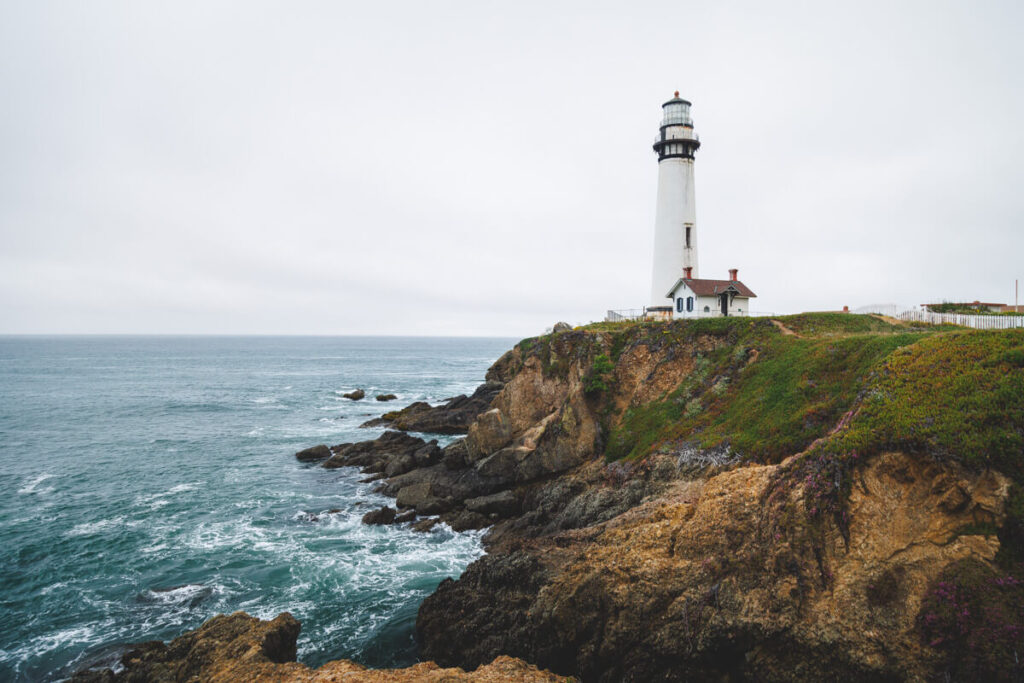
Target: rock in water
(385,515)
(452,417)
(356,395)
(321,452)
(386,397)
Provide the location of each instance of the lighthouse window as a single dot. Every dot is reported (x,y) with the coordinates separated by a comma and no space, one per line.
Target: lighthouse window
(687,236)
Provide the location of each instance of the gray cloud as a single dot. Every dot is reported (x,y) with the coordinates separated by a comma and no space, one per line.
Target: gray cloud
(485,168)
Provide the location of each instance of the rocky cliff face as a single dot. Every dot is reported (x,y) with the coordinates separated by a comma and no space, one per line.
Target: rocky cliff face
(693,561)
(237,647)
(816,497)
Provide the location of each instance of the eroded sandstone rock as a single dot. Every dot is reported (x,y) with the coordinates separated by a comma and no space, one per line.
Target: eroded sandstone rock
(719,589)
(237,647)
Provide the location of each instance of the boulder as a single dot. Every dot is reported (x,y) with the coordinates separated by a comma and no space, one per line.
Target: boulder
(464,520)
(407,516)
(399,465)
(356,395)
(500,466)
(502,504)
(385,515)
(425,498)
(425,524)
(561,327)
(454,455)
(487,434)
(430,454)
(386,397)
(315,453)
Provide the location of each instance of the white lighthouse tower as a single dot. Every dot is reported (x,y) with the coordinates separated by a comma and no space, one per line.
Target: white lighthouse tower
(675,222)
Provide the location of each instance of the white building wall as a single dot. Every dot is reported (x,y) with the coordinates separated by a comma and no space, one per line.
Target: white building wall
(676,207)
(738,306)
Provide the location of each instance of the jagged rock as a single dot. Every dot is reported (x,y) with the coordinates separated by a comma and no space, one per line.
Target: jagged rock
(688,563)
(561,327)
(321,452)
(237,647)
(454,455)
(428,455)
(407,516)
(701,582)
(425,498)
(503,504)
(489,433)
(384,515)
(452,417)
(356,395)
(464,520)
(399,465)
(500,465)
(386,397)
(374,456)
(426,524)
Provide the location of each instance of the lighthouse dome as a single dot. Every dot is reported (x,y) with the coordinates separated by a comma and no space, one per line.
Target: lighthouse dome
(676,112)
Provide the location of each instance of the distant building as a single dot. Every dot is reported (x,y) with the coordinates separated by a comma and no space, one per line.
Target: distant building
(696,298)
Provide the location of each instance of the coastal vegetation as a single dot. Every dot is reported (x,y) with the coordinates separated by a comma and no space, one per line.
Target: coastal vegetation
(746,498)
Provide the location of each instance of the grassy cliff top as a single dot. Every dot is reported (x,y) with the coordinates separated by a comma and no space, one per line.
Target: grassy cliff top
(771,388)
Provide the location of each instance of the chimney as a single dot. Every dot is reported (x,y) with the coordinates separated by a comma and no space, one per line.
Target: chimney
(688,272)
(732,274)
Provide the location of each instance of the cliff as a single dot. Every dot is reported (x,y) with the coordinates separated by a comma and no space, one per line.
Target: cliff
(817,496)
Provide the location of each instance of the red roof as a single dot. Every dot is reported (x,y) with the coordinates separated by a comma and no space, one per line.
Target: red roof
(713,287)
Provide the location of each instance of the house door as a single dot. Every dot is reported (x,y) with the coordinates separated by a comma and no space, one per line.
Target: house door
(725,303)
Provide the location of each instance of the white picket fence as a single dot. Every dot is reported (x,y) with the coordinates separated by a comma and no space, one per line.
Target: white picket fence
(981,322)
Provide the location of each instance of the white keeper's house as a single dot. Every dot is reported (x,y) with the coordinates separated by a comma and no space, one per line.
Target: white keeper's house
(676,288)
(696,298)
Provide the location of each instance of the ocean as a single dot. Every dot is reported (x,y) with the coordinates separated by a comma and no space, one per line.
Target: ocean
(149,483)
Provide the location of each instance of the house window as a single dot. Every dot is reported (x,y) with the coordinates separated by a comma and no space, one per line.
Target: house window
(689,303)
(679,305)
(707,309)
(688,228)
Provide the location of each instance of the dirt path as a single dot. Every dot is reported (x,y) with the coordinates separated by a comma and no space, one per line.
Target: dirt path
(784,329)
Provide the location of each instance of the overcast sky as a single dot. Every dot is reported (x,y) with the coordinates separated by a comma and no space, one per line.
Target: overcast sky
(486,167)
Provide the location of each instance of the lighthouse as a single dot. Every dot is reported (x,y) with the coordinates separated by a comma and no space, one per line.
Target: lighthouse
(675,219)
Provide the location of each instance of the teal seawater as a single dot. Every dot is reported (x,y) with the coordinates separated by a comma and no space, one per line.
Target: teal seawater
(148,483)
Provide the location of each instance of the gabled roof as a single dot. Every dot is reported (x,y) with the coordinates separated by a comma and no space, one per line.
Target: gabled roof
(713,287)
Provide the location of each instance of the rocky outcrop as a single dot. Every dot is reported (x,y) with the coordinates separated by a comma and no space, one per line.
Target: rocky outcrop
(386,397)
(394,451)
(356,395)
(452,417)
(314,454)
(380,516)
(614,555)
(699,583)
(237,647)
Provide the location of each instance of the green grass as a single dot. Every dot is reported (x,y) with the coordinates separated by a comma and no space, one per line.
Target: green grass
(795,392)
(957,395)
(842,388)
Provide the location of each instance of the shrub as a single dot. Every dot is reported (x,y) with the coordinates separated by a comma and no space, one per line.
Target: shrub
(599,377)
